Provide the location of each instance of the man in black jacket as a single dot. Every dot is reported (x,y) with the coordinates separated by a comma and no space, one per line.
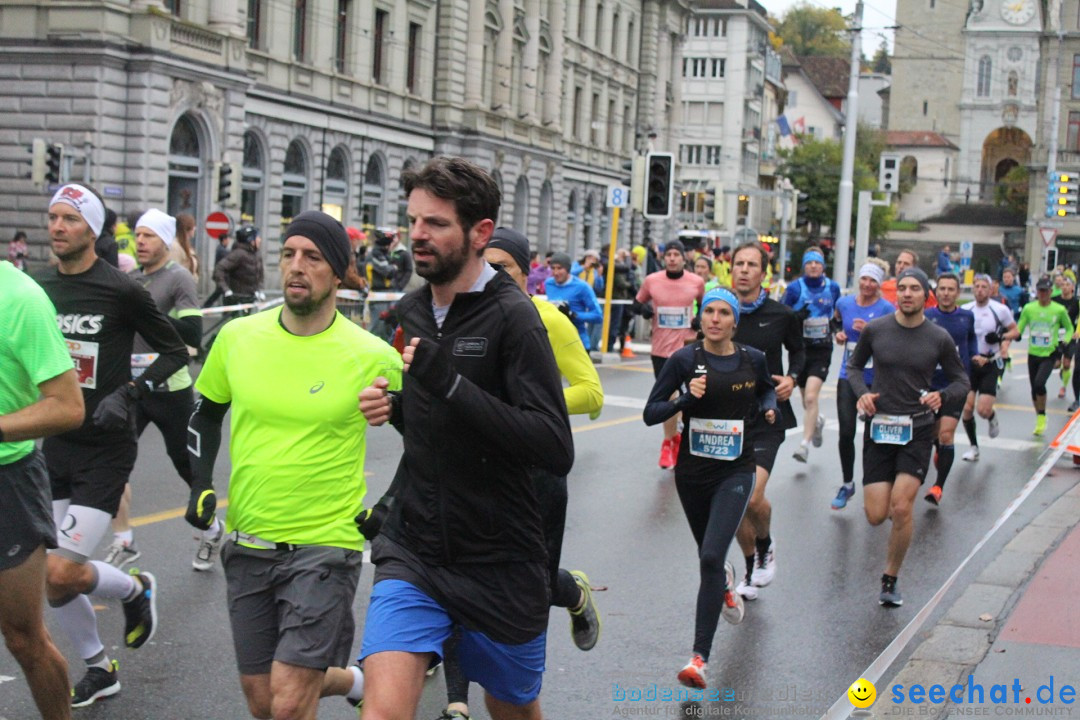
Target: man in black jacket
(769,326)
(481,402)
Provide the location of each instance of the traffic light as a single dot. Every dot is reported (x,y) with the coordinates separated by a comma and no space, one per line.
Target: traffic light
(1062,191)
(801,210)
(54,158)
(659,182)
(37,161)
(225,184)
(636,182)
(714,204)
(889,173)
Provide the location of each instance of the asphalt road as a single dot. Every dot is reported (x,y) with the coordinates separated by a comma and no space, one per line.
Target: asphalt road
(802,643)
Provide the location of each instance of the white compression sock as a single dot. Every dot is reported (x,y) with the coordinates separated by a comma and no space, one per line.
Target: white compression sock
(357,692)
(112,583)
(78,620)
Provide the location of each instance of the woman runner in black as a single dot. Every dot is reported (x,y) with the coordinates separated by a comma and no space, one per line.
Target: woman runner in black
(724,387)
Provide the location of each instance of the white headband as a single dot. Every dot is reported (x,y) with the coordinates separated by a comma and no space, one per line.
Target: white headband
(872,271)
(162,225)
(85,202)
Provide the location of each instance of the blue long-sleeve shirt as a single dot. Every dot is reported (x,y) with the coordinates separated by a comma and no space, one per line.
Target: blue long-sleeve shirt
(960,324)
(581,299)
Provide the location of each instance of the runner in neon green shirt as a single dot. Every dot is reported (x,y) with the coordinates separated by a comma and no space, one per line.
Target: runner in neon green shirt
(1045,319)
(292,377)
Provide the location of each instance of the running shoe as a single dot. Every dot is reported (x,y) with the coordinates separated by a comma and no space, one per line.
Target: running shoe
(452,715)
(746,589)
(95,685)
(971,455)
(890,596)
(933,495)
(120,553)
(584,623)
(819,427)
(841,500)
(802,452)
(1040,425)
(204,555)
(693,675)
(140,614)
(733,603)
(765,568)
(995,429)
(1074,407)
(667,455)
(433,667)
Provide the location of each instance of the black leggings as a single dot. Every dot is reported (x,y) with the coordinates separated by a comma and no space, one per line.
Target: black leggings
(848,412)
(170,411)
(1039,369)
(714,509)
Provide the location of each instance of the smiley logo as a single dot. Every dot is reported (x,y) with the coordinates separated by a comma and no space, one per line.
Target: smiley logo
(862,693)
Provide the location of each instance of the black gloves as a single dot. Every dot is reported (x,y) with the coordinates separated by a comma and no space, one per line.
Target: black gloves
(992,338)
(695,323)
(564,308)
(201,506)
(432,368)
(370,521)
(116,411)
(643,309)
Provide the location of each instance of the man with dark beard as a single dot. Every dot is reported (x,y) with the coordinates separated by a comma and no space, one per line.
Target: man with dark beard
(463,546)
(292,551)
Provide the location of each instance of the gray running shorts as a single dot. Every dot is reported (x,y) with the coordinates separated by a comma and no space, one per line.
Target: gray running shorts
(293,606)
(26,522)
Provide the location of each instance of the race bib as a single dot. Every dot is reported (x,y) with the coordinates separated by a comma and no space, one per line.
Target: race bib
(84,356)
(141,361)
(1040,336)
(716,439)
(815,328)
(891,429)
(849,348)
(673,318)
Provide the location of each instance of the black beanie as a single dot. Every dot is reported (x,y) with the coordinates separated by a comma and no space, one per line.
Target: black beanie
(919,275)
(512,243)
(674,245)
(328,235)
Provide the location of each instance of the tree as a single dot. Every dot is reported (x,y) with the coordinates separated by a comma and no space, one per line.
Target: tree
(810,30)
(813,166)
(882,63)
(1012,190)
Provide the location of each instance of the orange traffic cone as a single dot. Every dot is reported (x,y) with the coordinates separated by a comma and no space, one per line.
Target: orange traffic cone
(626,351)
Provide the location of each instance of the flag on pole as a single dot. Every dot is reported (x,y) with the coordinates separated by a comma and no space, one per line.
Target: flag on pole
(785,127)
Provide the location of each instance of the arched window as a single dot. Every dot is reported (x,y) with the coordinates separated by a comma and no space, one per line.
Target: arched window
(571,223)
(403,202)
(587,221)
(185,168)
(253,179)
(521,205)
(336,186)
(294,182)
(547,203)
(982,88)
(371,205)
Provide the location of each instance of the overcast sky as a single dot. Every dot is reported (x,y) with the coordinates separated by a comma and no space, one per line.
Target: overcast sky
(877,15)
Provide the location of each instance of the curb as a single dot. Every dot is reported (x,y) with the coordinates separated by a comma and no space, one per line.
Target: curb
(962,638)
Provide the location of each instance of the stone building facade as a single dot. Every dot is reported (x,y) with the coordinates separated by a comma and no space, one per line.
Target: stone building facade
(323,103)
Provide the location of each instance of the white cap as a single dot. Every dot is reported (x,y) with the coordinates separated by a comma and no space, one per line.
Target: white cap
(161,224)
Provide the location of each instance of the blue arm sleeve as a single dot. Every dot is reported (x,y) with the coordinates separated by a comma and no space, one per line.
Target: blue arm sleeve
(592,313)
(791,294)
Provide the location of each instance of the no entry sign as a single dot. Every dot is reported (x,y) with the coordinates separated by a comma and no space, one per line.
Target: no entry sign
(218,225)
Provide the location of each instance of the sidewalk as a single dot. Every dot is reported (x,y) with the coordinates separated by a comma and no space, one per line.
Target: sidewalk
(1017,625)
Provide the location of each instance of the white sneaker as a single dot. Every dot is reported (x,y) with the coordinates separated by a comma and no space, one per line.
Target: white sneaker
(802,452)
(819,427)
(765,568)
(746,589)
(204,555)
(733,603)
(995,429)
(121,553)
(971,455)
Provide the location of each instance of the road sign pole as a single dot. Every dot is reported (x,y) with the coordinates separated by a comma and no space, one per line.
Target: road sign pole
(609,283)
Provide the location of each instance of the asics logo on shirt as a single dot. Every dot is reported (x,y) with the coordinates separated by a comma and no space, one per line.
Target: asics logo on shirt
(80,324)
(317,387)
